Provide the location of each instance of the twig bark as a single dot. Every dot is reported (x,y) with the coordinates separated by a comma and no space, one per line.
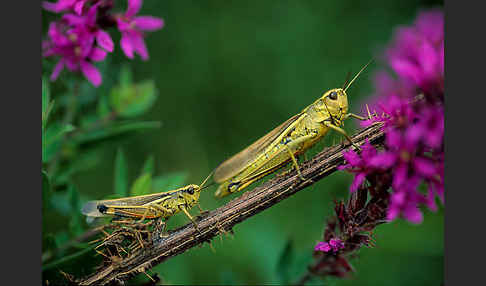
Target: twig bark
(223,219)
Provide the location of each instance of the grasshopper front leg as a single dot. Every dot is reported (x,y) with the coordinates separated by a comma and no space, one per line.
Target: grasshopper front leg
(343,132)
(370,116)
(184,209)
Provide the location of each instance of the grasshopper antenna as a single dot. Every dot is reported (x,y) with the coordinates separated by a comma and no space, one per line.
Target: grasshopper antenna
(205,180)
(357,75)
(346,80)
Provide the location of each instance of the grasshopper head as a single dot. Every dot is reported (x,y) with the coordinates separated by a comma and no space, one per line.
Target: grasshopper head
(191,193)
(334,103)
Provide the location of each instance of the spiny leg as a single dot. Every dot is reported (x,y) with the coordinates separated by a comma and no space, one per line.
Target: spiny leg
(357,116)
(161,225)
(202,212)
(343,132)
(183,208)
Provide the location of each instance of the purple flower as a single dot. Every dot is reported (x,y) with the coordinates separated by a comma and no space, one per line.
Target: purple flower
(65,5)
(73,39)
(336,244)
(417,54)
(405,202)
(132,29)
(88,22)
(432,124)
(322,246)
(359,165)
(333,245)
(75,47)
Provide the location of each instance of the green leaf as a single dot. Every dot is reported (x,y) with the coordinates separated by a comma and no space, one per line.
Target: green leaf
(103,107)
(285,263)
(46,191)
(169,181)
(115,129)
(142,185)
(49,242)
(75,224)
(121,176)
(148,166)
(82,161)
(60,203)
(61,238)
(133,100)
(126,77)
(47,104)
(52,138)
(46,95)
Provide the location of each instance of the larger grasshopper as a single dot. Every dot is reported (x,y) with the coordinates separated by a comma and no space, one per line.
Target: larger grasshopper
(284,143)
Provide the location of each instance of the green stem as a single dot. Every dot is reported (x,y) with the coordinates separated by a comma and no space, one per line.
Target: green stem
(68,119)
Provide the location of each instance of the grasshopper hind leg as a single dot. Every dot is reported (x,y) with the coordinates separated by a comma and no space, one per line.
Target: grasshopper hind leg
(202,212)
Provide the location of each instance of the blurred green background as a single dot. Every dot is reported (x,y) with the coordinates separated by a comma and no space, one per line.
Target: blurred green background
(227,72)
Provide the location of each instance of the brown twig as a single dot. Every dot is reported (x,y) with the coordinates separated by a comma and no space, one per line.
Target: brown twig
(223,219)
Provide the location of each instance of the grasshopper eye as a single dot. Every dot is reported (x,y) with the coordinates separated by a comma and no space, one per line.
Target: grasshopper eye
(333,95)
(190,191)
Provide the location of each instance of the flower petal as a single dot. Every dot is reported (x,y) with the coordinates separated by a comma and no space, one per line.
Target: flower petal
(49,6)
(78,7)
(357,181)
(352,157)
(133,7)
(413,214)
(97,54)
(91,73)
(382,160)
(139,46)
(393,139)
(392,213)
(104,40)
(399,176)
(367,151)
(424,167)
(73,20)
(413,134)
(322,246)
(126,45)
(148,23)
(57,69)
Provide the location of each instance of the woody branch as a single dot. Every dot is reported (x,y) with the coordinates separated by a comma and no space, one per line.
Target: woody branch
(223,219)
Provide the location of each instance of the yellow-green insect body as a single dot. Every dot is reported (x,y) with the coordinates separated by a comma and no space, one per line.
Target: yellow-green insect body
(274,150)
(156,205)
(163,205)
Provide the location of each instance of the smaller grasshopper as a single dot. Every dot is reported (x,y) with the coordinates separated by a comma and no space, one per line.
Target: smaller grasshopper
(158,205)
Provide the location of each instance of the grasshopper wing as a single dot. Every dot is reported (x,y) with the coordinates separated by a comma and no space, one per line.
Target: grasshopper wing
(91,207)
(238,162)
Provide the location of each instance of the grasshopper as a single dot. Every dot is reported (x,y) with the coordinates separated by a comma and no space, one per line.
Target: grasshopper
(284,143)
(157,205)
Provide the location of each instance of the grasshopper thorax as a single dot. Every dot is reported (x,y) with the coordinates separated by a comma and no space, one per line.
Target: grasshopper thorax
(332,105)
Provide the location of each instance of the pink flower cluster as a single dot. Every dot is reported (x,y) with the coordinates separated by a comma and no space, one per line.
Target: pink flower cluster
(414,126)
(79,37)
(333,245)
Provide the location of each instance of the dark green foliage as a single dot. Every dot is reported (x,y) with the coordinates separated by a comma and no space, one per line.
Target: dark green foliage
(121,174)
(220,75)
(285,263)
